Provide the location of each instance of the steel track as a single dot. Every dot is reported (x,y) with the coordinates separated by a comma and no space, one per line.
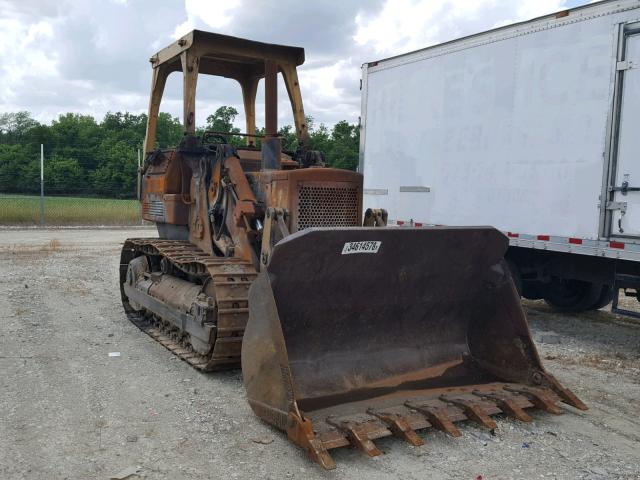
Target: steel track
(231,279)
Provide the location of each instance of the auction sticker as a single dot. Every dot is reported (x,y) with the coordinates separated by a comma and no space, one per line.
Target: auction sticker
(361,247)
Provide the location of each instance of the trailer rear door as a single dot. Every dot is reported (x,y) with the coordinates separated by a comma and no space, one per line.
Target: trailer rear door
(625,187)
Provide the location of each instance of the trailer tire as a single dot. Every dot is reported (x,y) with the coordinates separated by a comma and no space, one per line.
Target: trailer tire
(606,296)
(532,290)
(569,295)
(515,275)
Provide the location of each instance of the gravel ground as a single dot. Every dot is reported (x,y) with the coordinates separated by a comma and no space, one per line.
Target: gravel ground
(71,411)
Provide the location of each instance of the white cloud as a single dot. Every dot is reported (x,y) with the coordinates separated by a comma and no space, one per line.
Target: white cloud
(91,57)
(405,25)
(24,58)
(215,15)
(532,9)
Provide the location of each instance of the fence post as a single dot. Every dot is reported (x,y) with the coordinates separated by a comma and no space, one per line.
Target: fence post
(138,176)
(41,184)
(139,179)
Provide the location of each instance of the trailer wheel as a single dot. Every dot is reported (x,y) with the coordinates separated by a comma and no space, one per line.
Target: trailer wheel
(532,290)
(515,275)
(606,296)
(568,295)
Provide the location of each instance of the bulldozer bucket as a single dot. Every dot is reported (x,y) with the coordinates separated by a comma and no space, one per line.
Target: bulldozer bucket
(359,333)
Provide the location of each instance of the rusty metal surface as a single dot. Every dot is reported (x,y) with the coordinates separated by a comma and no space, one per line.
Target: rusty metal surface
(243,60)
(271,97)
(251,160)
(439,409)
(165,192)
(313,196)
(423,331)
(230,279)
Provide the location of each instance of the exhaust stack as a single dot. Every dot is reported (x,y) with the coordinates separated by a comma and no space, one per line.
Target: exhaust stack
(271,144)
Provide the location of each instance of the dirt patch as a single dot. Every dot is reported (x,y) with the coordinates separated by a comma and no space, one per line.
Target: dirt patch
(619,363)
(72,411)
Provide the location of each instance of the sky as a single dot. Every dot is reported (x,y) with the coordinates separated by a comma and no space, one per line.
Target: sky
(91,57)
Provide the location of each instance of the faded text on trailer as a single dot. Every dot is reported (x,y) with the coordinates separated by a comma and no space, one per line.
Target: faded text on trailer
(531,128)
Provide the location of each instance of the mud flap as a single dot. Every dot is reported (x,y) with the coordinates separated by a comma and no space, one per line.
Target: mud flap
(368,332)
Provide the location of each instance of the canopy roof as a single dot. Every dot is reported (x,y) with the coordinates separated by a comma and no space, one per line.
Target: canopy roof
(226,56)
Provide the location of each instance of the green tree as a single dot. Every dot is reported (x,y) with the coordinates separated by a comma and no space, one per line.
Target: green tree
(289,138)
(344,146)
(125,127)
(14,126)
(116,173)
(64,175)
(320,138)
(169,130)
(76,137)
(222,121)
(19,169)
(89,157)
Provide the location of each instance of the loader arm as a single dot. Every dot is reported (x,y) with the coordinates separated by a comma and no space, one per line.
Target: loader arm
(232,210)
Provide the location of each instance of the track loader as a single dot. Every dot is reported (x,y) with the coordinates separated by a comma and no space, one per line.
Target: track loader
(346,332)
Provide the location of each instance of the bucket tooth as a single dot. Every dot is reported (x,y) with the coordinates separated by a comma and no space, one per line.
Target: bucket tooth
(357,436)
(564,393)
(473,410)
(506,403)
(539,397)
(398,426)
(569,397)
(300,432)
(437,416)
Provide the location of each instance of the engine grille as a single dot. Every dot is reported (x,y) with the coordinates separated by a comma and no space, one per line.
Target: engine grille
(320,206)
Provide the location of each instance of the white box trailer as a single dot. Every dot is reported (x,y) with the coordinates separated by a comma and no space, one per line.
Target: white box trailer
(533,128)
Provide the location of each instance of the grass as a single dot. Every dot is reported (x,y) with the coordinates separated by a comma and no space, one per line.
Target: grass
(25,210)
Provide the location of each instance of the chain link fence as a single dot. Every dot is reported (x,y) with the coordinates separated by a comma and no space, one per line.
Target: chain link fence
(71,195)
(26,210)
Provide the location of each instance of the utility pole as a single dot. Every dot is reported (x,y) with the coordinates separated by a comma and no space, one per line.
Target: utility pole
(41,184)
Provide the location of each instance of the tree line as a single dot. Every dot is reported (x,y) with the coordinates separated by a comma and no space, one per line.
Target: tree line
(87,157)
